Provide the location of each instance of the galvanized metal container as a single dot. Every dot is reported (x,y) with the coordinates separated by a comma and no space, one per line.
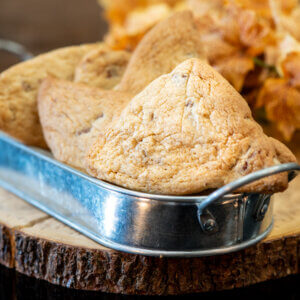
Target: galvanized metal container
(134,222)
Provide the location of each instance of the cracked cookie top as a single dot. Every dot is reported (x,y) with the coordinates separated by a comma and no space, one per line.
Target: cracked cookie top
(186,132)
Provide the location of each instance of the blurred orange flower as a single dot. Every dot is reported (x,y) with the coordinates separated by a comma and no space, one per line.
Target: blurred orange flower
(254,44)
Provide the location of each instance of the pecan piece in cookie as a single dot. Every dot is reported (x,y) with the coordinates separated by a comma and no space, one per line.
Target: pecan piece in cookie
(102,68)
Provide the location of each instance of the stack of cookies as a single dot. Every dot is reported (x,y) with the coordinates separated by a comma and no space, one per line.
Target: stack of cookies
(157,120)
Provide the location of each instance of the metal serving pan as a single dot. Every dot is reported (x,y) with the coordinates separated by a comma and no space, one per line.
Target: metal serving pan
(134,222)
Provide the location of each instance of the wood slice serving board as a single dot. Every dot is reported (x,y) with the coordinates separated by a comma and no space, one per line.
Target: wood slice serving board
(39,246)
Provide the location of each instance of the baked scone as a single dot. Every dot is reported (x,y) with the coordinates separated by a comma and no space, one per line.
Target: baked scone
(102,67)
(169,43)
(73,115)
(188,131)
(19,85)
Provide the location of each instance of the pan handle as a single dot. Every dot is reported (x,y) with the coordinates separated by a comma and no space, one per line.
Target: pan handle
(16,49)
(229,188)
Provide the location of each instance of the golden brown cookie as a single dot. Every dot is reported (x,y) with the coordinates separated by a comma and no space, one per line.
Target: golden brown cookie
(19,85)
(73,115)
(169,43)
(102,67)
(187,132)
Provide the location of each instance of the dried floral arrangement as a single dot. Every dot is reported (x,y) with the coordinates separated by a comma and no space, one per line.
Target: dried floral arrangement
(254,44)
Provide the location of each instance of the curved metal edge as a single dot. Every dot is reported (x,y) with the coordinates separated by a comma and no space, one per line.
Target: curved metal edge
(136,250)
(193,253)
(232,186)
(16,49)
(165,253)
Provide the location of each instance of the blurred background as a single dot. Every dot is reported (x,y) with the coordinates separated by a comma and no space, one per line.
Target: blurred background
(48,24)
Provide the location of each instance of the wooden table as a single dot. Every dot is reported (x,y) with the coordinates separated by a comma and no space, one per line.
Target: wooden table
(14,286)
(49,24)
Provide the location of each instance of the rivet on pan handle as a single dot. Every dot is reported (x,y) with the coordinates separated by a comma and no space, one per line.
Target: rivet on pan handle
(16,49)
(209,224)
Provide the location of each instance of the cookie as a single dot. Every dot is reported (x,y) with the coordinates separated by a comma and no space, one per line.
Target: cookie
(188,131)
(19,85)
(165,46)
(73,115)
(102,67)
